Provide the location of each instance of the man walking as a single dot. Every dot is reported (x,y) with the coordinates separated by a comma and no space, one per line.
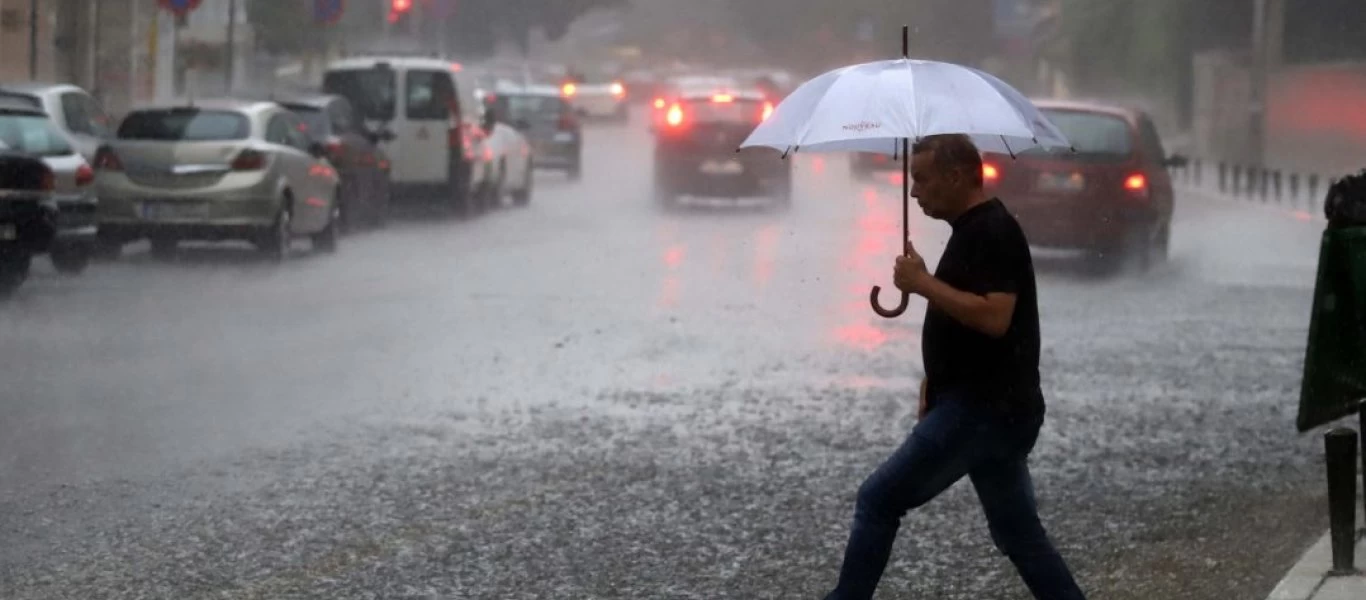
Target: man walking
(981,405)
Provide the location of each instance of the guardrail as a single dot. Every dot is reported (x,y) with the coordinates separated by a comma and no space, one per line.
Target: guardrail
(1303,191)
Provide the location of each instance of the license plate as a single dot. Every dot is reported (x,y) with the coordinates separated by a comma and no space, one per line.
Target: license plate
(1057,182)
(9,232)
(730,167)
(174,210)
(564,136)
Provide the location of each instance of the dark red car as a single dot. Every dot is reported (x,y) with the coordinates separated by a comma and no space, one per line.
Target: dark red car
(1112,196)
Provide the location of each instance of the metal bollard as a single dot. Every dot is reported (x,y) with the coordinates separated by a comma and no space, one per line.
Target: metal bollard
(1314,188)
(1295,185)
(1237,179)
(1223,177)
(1276,184)
(1197,170)
(1340,449)
(1263,183)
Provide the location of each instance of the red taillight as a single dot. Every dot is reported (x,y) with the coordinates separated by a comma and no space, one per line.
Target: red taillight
(768,111)
(336,149)
(675,116)
(990,173)
(569,90)
(723,98)
(249,160)
(106,160)
(1136,183)
(659,103)
(85,176)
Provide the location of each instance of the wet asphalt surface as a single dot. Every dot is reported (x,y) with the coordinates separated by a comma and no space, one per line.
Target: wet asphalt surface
(593,398)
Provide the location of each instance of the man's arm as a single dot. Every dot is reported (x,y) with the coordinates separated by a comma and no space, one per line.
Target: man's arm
(989,314)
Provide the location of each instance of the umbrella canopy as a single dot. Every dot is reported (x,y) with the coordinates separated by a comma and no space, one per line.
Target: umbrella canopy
(872,107)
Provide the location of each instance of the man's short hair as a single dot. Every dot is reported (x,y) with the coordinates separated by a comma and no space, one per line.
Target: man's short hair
(953,151)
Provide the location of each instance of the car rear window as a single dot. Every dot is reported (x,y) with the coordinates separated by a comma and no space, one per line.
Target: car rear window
(33,134)
(371,91)
(1094,134)
(314,120)
(186,125)
(734,111)
(532,108)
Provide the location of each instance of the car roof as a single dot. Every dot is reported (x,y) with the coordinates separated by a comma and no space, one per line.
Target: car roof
(13,105)
(708,92)
(310,100)
(511,89)
(229,104)
(39,88)
(397,62)
(1114,110)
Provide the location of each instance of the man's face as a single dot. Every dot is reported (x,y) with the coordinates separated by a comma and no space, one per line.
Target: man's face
(937,190)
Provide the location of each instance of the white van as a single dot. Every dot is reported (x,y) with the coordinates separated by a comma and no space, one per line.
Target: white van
(428,121)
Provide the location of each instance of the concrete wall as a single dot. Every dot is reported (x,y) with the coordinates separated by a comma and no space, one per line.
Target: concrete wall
(14,40)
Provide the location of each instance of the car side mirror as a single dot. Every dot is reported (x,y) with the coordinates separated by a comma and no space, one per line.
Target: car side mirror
(1176,160)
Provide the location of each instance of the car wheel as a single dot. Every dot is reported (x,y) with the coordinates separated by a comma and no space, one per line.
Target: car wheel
(164,247)
(275,241)
(494,199)
(460,199)
(71,259)
(14,267)
(326,240)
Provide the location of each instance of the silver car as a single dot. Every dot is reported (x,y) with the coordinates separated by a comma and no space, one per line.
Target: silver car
(216,170)
(73,110)
(29,130)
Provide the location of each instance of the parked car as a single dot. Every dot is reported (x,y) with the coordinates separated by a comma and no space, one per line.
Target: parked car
(28,218)
(434,125)
(354,150)
(510,153)
(217,170)
(1111,197)
(28,130)
(73,110)
(547,122)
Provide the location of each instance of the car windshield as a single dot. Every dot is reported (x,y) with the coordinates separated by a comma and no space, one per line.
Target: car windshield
(532,108)
(33,134)
(371,91)
(186,125)
(1093,135)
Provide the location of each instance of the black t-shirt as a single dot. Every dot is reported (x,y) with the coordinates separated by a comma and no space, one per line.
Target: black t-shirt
(987,253)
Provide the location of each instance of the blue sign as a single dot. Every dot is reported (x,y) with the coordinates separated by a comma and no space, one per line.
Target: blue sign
(328,12)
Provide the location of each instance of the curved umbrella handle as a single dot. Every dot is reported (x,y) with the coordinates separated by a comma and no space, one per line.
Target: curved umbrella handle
(890,314)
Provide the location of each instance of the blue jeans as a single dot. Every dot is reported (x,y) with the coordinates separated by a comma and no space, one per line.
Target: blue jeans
(958,437)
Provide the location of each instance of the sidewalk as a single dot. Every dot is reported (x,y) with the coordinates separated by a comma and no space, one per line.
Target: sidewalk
(1309,580)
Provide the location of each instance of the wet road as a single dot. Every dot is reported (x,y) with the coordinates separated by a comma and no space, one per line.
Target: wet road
(591,398)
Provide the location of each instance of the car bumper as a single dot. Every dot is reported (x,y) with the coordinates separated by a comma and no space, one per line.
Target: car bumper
(28,222)
(556,154)
(1077,225)
(77,219)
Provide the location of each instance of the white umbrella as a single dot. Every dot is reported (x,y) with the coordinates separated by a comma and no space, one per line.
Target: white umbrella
(881,106)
